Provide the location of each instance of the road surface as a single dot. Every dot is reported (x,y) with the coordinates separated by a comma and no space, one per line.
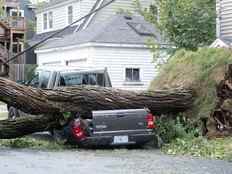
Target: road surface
(105,162)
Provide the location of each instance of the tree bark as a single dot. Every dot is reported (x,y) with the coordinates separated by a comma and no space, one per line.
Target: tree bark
(220,122)
(26,125)
(82,100)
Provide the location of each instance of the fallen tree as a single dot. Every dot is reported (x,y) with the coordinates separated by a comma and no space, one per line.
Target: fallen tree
(26,125)
(220,121)
(81,100)
(84,99)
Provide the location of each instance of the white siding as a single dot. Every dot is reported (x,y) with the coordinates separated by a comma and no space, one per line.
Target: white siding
(73,56)
(86,6)
(115,59)
(126,5)
(118,59)
(81,8)
(224,18)
(60,14)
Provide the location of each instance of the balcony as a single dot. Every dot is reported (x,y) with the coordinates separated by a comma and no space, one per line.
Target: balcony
(12,3)
(17,23)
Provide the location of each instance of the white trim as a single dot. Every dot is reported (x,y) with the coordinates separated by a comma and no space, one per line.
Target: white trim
(218,43)
(132,82)
(90,44)
(67,18)
(48,21)
(76,60)
(45,29)
(51,63)
(16,10)
(122,131)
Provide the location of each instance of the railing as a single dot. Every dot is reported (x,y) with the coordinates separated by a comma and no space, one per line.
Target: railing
(16,22)
(11,3)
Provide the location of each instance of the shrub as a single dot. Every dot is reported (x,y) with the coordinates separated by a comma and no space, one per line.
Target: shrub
(169,129)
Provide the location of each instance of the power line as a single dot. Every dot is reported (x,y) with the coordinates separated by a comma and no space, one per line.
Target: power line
(58,32)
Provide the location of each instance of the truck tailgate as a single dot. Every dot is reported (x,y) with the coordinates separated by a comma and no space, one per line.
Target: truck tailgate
(119,120)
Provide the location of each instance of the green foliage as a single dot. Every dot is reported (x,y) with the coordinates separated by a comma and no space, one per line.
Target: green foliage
(160,54)
(31,25)
(40,5)
(151,13)
(188,24)
(31,143)
(29,71)
(169,129)
(201,71)
(1,8)
(201,147)
(67,115)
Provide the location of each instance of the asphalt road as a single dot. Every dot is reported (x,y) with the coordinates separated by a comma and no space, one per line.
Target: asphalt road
(105,162)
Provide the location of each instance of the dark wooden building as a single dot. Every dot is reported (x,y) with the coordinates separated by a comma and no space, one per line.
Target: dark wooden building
(13,36)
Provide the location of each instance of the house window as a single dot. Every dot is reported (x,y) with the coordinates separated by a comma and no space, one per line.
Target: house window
(50,19)
(17,47)
(44,79)
(17,13)
(70,14)
(132,74)
(45,21)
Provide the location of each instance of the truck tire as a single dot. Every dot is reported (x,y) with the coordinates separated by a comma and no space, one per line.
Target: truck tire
(12,113)
(58,136)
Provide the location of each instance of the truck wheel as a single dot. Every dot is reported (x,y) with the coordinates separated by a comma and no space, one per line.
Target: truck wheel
(12,113)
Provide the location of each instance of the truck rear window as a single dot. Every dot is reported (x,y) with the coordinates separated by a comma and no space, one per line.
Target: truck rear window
(70,79)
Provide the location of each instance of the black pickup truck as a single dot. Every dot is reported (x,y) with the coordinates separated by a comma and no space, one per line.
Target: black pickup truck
(113,127)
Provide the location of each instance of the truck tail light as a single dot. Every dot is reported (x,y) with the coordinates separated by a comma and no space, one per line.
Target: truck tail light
(77,131)
(150,121)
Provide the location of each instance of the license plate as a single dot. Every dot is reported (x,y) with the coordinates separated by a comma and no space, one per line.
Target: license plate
(121,139)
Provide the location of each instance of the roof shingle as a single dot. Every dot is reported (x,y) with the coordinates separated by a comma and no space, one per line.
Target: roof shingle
(117,30)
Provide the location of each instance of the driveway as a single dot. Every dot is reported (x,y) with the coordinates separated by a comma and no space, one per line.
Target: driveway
(105,162)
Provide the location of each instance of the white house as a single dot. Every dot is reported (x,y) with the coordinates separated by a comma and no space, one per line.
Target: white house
(106,39)
(224,24)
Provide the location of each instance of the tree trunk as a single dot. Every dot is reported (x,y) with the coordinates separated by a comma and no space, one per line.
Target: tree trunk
(84,99)
(81,100)
(25,126)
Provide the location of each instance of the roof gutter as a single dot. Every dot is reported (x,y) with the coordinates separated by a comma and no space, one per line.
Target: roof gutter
(92,44)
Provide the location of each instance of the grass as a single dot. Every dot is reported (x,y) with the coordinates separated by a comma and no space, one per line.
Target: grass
(201,71)
(201,147)
(32,143)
